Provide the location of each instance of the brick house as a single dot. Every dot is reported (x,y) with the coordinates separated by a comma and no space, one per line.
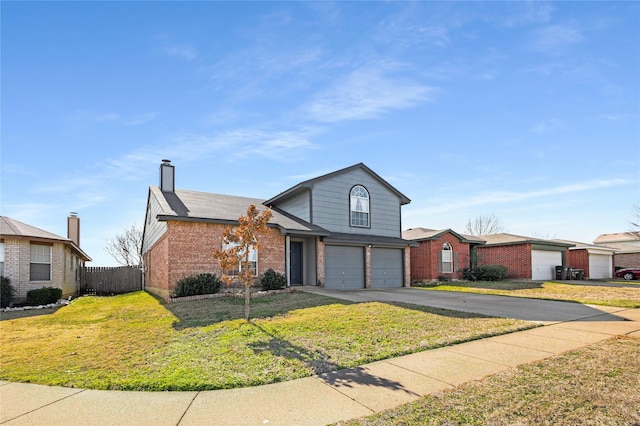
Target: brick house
(341,230)
(595,260)
(439,253)
(33,258)
(524,257)
(627,248)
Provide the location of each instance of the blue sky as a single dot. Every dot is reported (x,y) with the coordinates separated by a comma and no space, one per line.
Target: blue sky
(529,111)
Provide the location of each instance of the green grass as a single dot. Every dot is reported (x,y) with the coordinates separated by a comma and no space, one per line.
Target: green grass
(596,295)
(595,385)
(134,342)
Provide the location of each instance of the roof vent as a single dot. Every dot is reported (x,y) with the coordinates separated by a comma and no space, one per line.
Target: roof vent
(167,176)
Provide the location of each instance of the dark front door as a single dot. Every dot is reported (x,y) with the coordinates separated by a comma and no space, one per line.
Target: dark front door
(296,263)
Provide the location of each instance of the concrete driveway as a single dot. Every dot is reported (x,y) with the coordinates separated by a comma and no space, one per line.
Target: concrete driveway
(498,306)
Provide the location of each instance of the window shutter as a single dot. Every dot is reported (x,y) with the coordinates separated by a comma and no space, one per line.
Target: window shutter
(440,261)
(455,262)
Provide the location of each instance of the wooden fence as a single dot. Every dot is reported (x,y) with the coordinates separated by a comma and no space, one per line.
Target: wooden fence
(115,280)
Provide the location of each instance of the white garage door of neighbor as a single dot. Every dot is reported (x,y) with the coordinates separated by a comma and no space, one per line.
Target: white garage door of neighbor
(344,267)
(600,266)
(543,264)
(386,268)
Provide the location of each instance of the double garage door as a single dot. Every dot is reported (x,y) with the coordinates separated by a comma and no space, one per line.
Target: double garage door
(345,267)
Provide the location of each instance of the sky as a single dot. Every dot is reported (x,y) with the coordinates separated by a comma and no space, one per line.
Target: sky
(528,111)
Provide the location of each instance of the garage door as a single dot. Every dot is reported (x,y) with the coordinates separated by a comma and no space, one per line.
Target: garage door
(543,264)
(599,266)
(344,267)
(386,268)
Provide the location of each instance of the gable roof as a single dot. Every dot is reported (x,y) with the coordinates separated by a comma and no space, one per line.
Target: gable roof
(586,246)
(307,184)
(188,205)
(507,239)
(618,237)
(16,229)
(425,234)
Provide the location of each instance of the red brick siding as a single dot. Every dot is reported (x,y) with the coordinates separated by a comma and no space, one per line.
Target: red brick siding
(516,257)
(424,258)
(626,260)
(579,259)
(187,249)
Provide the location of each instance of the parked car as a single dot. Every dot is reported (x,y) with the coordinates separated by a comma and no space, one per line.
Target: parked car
(629,273)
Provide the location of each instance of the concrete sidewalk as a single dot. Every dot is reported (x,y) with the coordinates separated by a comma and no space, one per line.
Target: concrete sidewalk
(315,400)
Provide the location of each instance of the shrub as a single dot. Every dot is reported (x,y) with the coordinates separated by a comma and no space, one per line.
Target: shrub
(272,280)
(486,273)
(7,292)
(197,284)
(44,296)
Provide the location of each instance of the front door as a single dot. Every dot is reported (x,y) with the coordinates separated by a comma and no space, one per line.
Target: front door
(296,263)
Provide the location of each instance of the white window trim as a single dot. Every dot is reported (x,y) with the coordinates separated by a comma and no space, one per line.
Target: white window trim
(41,261)
(364,203)
(447,258)
(253,257)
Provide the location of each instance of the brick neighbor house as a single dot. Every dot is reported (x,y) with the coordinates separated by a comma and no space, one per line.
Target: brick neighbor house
(595,260)
(627,248)
(33,258)
(341,230)
(439,254)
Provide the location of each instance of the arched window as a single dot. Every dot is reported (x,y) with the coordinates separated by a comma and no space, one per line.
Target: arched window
(359,206)
(446,258)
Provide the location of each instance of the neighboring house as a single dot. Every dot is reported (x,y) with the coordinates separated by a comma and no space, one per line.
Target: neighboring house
(595,260)
(627,246)
(341,230)
(439,253)
(525,258)
(33,258)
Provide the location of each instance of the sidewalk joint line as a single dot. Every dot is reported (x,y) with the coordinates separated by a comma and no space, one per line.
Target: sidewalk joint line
(45,405)
(188,407)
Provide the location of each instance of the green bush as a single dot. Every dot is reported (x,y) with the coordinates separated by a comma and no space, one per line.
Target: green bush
(272,280)
(485,273)
(7,292)
(43,296)
(197,284)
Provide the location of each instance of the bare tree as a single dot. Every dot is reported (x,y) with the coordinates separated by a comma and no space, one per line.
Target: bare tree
(484,225)
(239,242)
(635,222)
(125,248)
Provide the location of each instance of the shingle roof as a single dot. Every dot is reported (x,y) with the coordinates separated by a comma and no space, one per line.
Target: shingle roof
(581,245)
(619,237)
(14,228)
(204,206)
(504,239)
(418,234)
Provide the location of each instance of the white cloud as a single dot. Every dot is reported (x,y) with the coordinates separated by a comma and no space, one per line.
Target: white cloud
(555,39)
(548,126)
(368,92)
(183,51)
(498,197)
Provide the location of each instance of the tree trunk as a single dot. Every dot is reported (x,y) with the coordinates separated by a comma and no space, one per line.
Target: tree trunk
(247,302)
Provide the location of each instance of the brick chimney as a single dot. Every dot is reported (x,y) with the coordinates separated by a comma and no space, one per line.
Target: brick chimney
(167,176)
(73,228)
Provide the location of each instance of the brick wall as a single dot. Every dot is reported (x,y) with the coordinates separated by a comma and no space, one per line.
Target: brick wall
(187,249)
(626,260)
(424,258)
(320,262)
(579,259)
(516,257)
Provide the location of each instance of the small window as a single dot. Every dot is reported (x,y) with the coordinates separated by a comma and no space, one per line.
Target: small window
(40,266)
(359,206)
(2,259)
(447,258)
(253,261)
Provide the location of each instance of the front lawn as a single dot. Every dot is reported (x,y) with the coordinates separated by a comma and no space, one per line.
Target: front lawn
(595,385)
(596,295)
(135,342)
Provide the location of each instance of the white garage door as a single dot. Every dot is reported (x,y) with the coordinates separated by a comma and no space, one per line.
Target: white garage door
(600,266)
(543,264)
(344,267)
(386,268)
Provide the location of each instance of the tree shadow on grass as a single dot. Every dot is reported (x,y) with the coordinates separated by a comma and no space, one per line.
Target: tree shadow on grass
(329,372)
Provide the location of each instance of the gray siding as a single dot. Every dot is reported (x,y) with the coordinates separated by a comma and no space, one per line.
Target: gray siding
(331,205)
(153,229)
(298,206)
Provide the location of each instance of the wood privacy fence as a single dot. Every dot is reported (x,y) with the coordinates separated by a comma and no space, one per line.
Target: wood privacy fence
(104,280)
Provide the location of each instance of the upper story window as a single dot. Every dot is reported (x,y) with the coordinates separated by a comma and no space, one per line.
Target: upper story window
(359,206)
(40,266)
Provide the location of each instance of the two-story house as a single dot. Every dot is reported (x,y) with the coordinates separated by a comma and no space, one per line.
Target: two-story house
(341,230)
